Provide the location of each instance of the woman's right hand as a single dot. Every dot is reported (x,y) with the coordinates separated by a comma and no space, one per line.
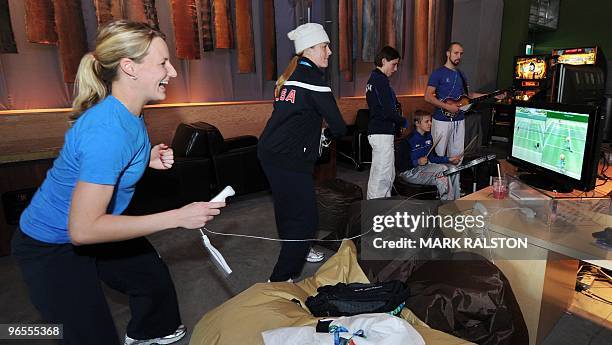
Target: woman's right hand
(197,214)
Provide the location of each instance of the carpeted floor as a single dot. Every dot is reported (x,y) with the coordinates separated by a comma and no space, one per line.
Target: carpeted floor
(201,287)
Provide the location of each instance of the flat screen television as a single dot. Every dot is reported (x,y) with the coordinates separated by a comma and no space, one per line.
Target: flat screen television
(530,68)
(557,144)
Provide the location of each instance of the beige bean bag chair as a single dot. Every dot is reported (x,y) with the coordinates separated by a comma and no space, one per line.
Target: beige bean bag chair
(266,306)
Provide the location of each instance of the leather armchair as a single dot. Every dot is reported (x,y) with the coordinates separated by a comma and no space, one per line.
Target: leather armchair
(204,163)
(354,146)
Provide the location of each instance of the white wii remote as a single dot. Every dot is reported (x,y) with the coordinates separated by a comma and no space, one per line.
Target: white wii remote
(226,192)
(215,254)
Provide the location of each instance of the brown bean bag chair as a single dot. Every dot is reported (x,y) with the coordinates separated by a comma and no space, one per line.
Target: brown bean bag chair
(265,306)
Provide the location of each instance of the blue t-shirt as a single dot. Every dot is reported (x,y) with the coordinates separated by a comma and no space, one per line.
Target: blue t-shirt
(107,145)
(448,84)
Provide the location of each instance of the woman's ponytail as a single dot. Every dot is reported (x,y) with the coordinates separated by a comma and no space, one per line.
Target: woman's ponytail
(286,75)
(89,88)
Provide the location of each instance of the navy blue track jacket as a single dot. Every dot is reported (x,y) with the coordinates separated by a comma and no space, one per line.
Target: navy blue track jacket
(291,137)
(419,145)
(385,111)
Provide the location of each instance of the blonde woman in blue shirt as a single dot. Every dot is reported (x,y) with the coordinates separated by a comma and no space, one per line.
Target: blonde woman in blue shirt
(73,235)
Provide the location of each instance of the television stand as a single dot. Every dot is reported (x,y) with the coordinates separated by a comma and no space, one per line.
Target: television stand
(546,183)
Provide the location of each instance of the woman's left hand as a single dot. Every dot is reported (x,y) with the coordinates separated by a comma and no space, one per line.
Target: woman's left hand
(162,157)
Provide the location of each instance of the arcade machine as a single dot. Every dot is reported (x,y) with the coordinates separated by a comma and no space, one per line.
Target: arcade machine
(578,76)
(531,77)
(531,80)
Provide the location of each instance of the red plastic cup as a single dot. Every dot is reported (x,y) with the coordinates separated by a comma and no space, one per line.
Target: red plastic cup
(500,188)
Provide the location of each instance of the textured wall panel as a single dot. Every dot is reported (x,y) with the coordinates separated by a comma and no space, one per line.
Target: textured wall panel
(421,36)
(370,30)
(393,24)
(141,11)
(40,22)
(269,40)
(71,35)
(345,41)
(207,25)
(185,21)
(244,37)
(223,24)
(7,39)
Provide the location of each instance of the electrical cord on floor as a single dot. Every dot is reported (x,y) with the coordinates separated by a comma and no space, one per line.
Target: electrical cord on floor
(604,168)
(587,275)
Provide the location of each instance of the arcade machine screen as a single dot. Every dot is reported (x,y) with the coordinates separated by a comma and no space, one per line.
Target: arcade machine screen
(530,75)
(530,68)
(576,56)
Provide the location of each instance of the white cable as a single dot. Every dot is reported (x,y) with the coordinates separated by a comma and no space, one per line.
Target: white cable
(300,240)
(280,239)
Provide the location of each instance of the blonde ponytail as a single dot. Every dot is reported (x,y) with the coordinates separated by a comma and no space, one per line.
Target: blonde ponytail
(286,75)
(97,70)
(89,89)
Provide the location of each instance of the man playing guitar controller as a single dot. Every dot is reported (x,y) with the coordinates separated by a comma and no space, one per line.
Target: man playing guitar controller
(447,89)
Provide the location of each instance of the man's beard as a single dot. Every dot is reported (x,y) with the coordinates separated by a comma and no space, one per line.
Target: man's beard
(456,62)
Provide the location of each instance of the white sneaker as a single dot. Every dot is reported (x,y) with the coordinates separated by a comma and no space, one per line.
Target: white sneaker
(169,339)
(315,256)
(288,280)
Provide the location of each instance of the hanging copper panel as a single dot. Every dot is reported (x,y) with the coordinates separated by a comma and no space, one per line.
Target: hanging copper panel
(7,39)
(223,24)
(40,22)
(370,30)
(116,8)
(393,24)
(342,34)
(141,11)
(421,34)
(269,40)
(345,26)
(185,21)
(388,29)
(440,28)
(71,35)
(244,37)
(104,13)
(207,29)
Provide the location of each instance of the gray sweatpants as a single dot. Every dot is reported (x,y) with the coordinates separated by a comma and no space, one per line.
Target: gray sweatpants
(450,136)
(431,174)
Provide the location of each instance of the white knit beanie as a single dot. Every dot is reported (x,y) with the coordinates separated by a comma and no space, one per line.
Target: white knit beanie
(307,35)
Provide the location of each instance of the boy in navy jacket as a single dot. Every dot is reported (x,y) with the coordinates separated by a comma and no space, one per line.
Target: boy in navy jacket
(427,168)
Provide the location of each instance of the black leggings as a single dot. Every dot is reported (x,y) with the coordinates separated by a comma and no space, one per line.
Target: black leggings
(64,285)
(295,210)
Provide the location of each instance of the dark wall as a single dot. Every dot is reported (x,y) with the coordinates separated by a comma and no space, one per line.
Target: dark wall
(515,32)
(581,24)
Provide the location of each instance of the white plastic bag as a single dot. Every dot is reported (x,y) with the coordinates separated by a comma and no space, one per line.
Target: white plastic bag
(379,329)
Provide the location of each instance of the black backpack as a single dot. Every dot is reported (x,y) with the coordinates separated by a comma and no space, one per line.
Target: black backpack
(357,298)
